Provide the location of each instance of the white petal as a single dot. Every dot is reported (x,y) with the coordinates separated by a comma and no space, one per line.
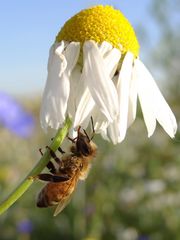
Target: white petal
(113,132)
(100,121)
(56,93)
(104,135)
(104,48)
(123,93)
(49,109)
(72,54)
(76,91)
(132,98)
(84,108)
(111,57)
(153,104)
(52,49)
(59,53)
(111,61)
(146,98)
(98,81)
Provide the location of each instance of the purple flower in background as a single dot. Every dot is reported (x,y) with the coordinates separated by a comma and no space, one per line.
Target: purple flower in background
(143,237)
(25,226)
(14,117)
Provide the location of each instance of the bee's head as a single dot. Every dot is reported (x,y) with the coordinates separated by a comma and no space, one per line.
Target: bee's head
(83,143)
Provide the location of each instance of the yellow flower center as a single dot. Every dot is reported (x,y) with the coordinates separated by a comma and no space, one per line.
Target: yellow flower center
(101,23)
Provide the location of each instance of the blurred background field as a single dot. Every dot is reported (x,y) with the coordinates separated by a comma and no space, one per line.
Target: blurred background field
(133,189)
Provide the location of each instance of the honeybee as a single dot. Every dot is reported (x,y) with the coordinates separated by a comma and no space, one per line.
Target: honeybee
(73,167)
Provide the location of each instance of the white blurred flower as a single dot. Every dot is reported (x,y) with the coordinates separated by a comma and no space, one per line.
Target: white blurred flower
(154,186)
(94,70)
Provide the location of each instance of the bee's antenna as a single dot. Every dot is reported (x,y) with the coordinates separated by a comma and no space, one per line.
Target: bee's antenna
(93,130)
(86,135)
(78,130)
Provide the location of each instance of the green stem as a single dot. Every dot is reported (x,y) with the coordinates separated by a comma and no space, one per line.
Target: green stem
(18,192)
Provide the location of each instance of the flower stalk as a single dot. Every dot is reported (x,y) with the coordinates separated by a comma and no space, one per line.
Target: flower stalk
(26,183)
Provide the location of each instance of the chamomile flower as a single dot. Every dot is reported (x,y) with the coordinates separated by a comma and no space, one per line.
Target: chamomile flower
(94,70)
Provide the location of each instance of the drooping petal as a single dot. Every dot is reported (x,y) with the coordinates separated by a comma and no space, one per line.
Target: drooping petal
(123,86)
(111,57)
(100,123)
(84,108)
(99,120)
(56,93)
(104,48)
(76,91)
(111,61)
(153,104)
(72,54)
(146,98)
(60,46)
(48,107)
(132,98)
(101,126)
(113,132)
(98,81)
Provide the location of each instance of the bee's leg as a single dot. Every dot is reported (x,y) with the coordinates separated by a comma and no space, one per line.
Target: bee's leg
(59,148)
(50,165)
(73,140)
(52,178)
(53,155)
(40,150)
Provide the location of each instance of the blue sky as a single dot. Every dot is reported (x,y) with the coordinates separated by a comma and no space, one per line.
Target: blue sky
(28,28)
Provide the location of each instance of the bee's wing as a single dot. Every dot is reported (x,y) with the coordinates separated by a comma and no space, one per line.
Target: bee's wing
(62,204)
(66,199)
